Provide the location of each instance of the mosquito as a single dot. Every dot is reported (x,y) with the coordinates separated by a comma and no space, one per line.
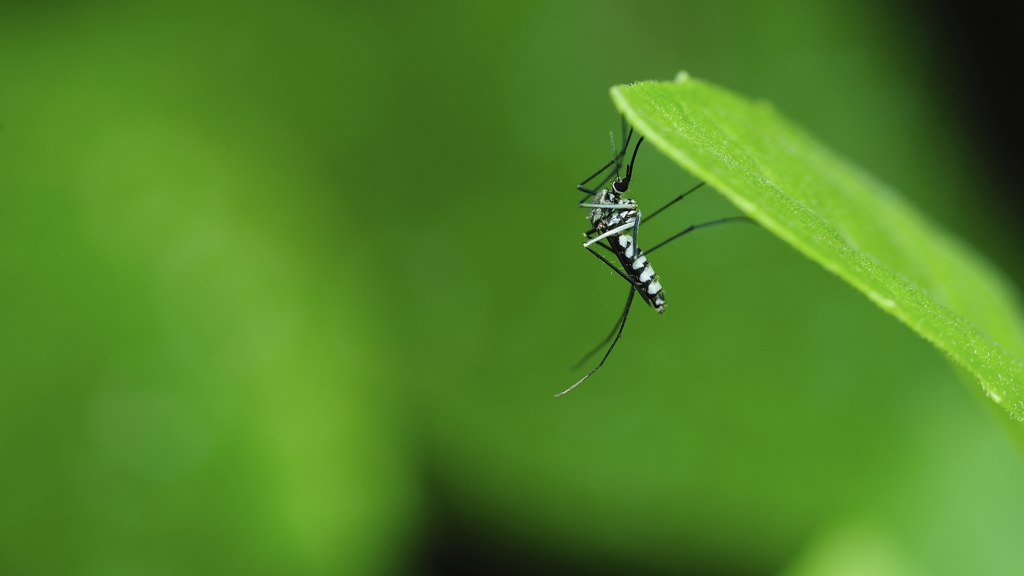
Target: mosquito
(615,226)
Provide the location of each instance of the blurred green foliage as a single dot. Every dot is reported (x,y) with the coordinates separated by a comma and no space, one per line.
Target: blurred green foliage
(287,287)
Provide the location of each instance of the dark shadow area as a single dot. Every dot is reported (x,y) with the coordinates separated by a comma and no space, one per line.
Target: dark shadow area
(979,41)
(455,542)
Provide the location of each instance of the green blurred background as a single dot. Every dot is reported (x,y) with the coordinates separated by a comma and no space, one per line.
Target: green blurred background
(286,289)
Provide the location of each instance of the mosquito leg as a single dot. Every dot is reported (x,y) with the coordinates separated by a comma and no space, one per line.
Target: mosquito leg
(636,227)
(673,201)
(622,127)
(590,233)
(612,266)
(600,185)
(618,334)
(582,186)
(632,161)
(611,232)
(608,337)
(698,227)
(619,206)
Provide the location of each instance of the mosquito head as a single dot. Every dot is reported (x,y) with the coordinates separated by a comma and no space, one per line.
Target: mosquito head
(620,185)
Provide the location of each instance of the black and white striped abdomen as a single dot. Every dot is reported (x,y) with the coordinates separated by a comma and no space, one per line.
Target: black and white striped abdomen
(640,270)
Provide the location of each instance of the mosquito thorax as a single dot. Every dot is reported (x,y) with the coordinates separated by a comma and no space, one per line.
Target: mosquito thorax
(605,218)
(606,196)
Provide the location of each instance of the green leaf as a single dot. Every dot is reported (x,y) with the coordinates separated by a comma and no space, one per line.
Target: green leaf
(843,218)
